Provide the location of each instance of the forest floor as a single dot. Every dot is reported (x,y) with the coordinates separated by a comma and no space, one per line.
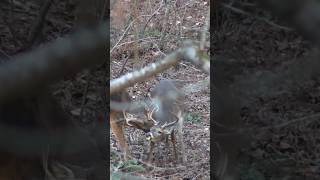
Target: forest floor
(257,47)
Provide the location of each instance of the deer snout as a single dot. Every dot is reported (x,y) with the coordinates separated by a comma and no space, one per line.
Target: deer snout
(156,134)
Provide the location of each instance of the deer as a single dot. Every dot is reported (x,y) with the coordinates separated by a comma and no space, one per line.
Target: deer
(162,115)
(121,118)
(167,111)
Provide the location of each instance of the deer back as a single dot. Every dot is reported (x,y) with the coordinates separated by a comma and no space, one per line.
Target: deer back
(167,100)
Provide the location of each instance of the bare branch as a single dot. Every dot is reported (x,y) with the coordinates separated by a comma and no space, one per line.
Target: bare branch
(122,36)
(153,15)
(240,11)
(189,53)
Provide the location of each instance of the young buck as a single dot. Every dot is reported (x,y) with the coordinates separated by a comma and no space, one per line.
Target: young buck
(121,118)
(167,111)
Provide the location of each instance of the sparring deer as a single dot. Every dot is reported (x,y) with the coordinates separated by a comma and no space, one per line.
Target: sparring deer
(162,115)
(121,118)
(167,111)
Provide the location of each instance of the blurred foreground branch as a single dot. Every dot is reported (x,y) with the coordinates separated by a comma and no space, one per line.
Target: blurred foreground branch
(137,106)
(189,53)
(29,72)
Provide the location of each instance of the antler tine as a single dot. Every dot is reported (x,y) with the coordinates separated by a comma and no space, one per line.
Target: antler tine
(172,123)
(128,119)
(125,115)
(149,114)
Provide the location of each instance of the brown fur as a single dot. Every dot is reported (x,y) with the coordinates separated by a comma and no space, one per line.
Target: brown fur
(169,102)
(118,122)
(167,113)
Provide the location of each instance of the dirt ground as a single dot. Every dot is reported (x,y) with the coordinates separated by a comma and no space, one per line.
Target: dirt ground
(184,20)
(258,46)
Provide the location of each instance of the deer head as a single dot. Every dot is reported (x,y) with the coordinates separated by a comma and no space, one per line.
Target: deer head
(164,97)
(141,121)
(159,132)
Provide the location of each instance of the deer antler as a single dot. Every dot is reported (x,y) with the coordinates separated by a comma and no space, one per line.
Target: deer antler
(128,119)
(149,114)
(174,122)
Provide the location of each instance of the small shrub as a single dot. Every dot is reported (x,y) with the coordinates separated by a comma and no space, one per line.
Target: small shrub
(192,117)
(131,166)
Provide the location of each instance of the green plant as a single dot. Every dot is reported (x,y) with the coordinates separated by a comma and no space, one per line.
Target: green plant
(152,33)
(192,117)
(131,166)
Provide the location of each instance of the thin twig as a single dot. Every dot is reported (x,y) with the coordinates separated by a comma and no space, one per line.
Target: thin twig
(4,54)
(306,118)
(39,23)
(154,13)
(240,11)
(11,29)
(123,66)
(33,14)
(122,36)
(164,26)
(287,123)
(84,97)
(133,41)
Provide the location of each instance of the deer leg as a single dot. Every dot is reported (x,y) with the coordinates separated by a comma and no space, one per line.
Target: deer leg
(150,156)
(173,140)
(167,142)
(118,130)
(180,132)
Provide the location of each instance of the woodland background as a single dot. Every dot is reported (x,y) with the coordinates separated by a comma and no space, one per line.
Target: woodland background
(143,32)
(266,54)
